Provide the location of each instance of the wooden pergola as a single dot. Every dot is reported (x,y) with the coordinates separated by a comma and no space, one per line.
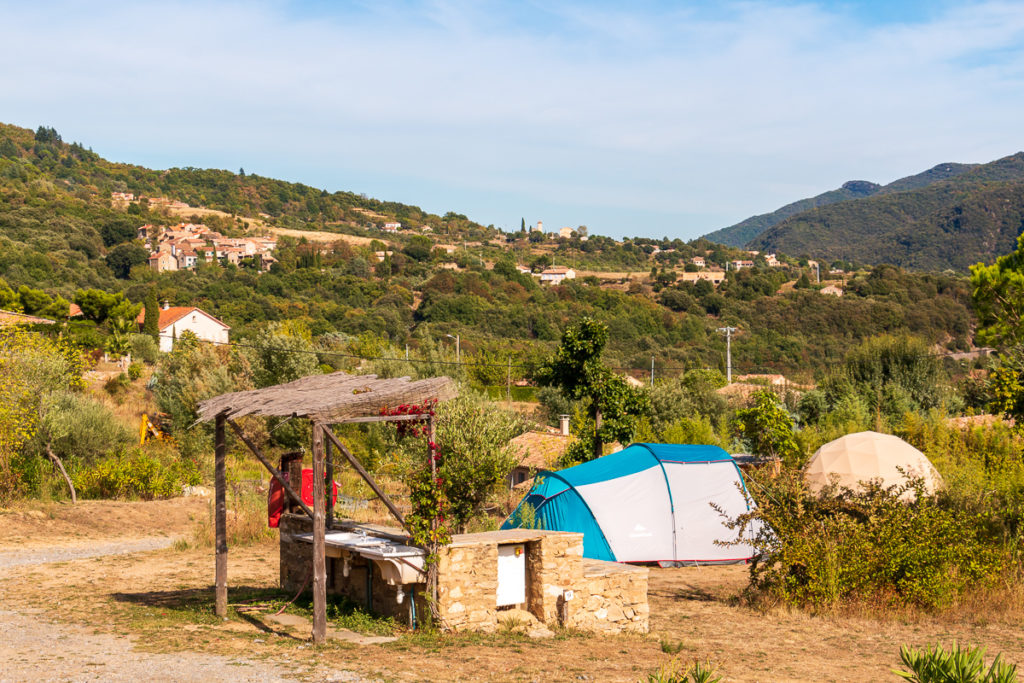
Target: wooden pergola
(337,398)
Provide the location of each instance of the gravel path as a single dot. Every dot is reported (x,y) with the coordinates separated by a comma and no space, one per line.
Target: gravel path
(47,554)
(32,648)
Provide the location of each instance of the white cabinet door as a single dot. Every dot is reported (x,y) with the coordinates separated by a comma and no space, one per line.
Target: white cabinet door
(511,574)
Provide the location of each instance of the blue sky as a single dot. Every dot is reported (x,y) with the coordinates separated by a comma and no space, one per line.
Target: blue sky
(652,118)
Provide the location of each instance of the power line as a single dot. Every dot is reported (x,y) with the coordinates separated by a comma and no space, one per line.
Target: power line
(481,364)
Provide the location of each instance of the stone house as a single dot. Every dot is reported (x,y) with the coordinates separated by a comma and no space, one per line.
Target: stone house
(538,450)
(555,274)
(163,261)
(832,290)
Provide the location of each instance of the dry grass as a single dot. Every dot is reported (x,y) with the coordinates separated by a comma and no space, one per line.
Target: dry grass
(246,521)
(164,599)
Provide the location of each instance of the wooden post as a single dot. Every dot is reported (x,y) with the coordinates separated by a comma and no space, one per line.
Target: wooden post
(319,529)
(433,548)
(221,517)
(329,487)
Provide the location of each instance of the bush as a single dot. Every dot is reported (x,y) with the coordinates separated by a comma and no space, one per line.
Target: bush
(136,474)
(144,348)
(116,385)
(820,551)
(134,371)
(78,429)
(958,665)
(674,671)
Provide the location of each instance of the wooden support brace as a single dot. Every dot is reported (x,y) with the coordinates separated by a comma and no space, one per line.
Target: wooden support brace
(270,468)
(381,418)
(319,529)
(365,475)
(220,517)
(329,493)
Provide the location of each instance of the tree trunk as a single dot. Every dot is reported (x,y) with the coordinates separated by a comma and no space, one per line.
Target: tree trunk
(598,446)
(59,465)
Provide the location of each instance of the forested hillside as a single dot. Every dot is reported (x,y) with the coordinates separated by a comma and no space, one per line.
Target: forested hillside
(60,235)
(950,216)
(945,225)
(746,231)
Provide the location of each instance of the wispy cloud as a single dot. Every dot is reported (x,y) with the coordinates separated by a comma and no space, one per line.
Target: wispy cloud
(662,119)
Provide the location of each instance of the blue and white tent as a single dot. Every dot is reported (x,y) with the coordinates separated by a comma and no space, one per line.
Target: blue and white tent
(646,503)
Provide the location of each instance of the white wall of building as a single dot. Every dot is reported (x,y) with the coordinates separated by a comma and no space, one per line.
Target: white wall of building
(197,322)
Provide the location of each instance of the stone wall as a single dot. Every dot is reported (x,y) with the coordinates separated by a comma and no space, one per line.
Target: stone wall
(603,596)
(612,598)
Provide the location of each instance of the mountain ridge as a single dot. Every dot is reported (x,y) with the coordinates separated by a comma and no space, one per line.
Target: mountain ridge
(746,231)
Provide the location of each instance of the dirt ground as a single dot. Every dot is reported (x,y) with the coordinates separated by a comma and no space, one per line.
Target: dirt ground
(111,613)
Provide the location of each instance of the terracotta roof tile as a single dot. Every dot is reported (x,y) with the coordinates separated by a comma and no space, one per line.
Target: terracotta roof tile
(540,450)
(171,315)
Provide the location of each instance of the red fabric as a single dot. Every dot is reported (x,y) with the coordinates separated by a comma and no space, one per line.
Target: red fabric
(277,497)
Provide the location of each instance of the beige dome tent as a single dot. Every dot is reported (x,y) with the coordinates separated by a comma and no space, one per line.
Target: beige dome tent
(866,456)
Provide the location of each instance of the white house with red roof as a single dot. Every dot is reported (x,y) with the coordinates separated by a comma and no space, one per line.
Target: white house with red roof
(174,320)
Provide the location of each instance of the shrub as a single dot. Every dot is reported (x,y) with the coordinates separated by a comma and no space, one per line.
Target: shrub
(134,371)
(116,385)
(136,474)
(674,671)
(958,665)
(820,551)
(78,430)
(144,348)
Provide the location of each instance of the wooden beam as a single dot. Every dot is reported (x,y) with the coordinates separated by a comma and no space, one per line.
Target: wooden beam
(329,492)
(365,475)
(270,468)
(380,418)
(220,517)
(319,529)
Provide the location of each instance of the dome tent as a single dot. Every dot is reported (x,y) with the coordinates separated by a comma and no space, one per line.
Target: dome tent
(645,503)
(867,456)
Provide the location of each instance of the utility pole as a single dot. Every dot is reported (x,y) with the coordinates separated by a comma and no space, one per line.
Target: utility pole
(652,372)
(458,348)
(508,381)
(728,351)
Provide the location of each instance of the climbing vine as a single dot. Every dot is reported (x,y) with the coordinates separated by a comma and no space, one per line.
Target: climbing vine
(426,522)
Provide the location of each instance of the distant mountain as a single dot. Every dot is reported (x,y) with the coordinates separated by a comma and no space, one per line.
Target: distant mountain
(949,217)
(745,231)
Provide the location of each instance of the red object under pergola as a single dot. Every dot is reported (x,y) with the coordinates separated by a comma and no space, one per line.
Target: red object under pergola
(337,398)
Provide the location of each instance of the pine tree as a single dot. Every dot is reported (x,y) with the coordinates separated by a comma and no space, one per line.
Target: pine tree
(151,323)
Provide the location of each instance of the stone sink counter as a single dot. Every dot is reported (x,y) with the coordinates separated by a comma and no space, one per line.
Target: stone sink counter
(562,587)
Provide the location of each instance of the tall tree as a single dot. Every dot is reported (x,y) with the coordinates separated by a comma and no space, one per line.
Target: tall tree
(578,371)
(999,298)
(151,322)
